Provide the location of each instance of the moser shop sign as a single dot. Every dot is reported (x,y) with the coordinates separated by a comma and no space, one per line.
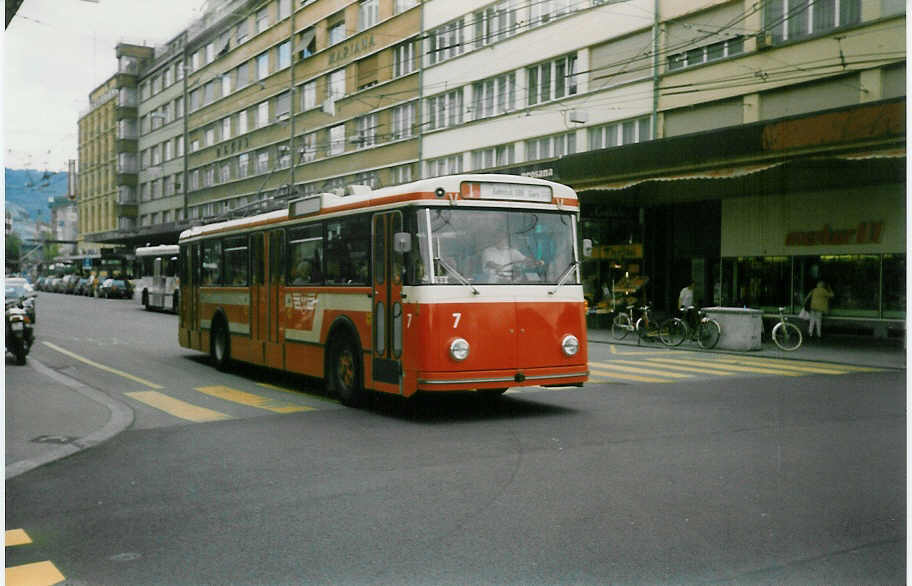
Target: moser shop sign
(865,233)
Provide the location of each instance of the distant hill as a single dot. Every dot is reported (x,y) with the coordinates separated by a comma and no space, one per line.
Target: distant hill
(28,193)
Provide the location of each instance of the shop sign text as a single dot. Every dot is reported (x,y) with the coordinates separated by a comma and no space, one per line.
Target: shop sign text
(865,233)
(351,49)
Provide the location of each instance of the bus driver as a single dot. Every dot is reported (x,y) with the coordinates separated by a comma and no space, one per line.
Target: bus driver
(499,260)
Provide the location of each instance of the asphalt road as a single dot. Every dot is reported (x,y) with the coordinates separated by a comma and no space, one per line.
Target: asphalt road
(749,478)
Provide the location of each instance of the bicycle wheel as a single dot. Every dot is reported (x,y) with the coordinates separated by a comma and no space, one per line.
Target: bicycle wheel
(647,331)
(787,336)
(672,331)
(708,334)
(620,326)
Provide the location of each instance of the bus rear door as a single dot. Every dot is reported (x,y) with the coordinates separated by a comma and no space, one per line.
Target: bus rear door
(266,279)
(386,367)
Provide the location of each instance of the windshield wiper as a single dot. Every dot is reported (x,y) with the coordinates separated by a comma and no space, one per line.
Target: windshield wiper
(450,269)
(560,282)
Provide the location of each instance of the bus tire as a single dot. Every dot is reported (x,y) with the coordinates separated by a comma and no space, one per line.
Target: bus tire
(220,345)
(344,376)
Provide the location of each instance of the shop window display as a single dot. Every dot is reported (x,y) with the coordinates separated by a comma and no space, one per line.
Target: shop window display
(761,282)
(894,286)
(854,279)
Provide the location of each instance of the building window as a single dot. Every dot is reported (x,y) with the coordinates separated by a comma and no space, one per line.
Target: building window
(551,146)
(283,105)
(493,96)
(284,9)
(243,165)
(285,55)
(262,162)
(366,128)
(552,80)
(444,110)
(337,84)
(226,84)
(336,33)
(443,166)
(401,174)
(242,122)
(543,12)
(706,53)
(368,178)
(226,172)
(262,65)
(262,20)
(367,14)
(241,34)
(787,20)
(307,43)
(337,139)
(209,92)
(402,120)
(210,52)
(226,128)
(243,77)
(404,59)
(620,133)
(308,149)
(495,23)
(210,136)
(308,96)
(262,114)
(403,5)
(498,156)
(194,100)
(445,42)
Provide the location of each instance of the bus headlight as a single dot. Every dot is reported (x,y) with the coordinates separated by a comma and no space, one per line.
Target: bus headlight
(570,345)
(459,349)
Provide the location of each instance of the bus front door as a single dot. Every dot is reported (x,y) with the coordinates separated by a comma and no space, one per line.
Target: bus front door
(267,252)
(386,364)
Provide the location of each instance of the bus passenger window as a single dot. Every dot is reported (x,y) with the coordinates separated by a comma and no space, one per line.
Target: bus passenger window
(348,251)
(305,253)
(236,261)
(211,262)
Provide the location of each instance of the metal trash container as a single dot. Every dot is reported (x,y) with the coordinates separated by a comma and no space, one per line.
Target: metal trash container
(741,327)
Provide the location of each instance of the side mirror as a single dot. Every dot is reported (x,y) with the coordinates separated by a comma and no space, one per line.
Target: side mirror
(587,247)
(402,242)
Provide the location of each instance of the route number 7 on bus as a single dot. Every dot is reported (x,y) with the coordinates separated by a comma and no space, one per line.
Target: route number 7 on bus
(465,282)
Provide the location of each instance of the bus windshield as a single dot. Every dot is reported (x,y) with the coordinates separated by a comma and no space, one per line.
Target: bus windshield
(487,247)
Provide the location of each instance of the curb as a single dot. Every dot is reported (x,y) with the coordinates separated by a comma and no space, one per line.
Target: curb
(765,352)
(121,419)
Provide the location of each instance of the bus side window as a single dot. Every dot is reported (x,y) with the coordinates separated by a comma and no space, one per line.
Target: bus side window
(348,251)
(236,264)
(210,268)
(305,255)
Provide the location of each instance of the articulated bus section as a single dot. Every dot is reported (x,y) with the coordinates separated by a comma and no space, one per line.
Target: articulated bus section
(450,284)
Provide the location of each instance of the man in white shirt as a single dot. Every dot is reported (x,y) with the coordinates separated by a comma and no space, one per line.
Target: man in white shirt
(686,301)
(499,260)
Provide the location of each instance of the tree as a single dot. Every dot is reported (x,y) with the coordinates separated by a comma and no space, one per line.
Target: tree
(13,250)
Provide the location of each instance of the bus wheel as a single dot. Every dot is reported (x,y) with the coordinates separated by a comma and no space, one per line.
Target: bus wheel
(221,346)
(344,372)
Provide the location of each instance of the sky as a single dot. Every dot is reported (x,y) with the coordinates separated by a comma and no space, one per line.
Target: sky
(55,52)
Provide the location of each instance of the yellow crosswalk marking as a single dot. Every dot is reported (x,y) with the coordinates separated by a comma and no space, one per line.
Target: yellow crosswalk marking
(252,400)
(824,367)
(15,537)
(790,365)
(633,377)
(36,574)
(652,371)
(685,368)
(178,408)
(719,365)
(614,350)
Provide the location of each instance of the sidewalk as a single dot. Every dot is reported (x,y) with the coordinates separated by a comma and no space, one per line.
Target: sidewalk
(856,350)
(50,416)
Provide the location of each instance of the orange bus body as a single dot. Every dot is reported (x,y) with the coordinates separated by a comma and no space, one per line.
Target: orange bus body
(517,334)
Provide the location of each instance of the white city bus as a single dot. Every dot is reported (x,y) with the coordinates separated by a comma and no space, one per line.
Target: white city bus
(159,284)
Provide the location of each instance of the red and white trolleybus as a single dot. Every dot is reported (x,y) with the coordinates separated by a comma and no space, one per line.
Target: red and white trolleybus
(464,282)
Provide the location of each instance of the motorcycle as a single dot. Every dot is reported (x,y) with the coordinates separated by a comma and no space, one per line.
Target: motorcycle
(19,330)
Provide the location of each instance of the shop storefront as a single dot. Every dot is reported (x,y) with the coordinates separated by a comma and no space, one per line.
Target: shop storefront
(776,248)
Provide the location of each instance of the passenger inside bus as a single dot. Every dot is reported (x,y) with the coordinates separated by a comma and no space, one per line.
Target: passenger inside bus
(501,261)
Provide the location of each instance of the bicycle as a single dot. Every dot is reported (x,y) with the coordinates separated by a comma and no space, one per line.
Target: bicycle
(623,323)
(786,335)
(646,327)
(675,330)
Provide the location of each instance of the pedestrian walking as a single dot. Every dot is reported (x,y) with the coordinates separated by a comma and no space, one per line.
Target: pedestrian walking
(819,298)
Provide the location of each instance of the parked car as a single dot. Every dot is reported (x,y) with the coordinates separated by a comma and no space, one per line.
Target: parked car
(81,286)
(70,284)
(116,289)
